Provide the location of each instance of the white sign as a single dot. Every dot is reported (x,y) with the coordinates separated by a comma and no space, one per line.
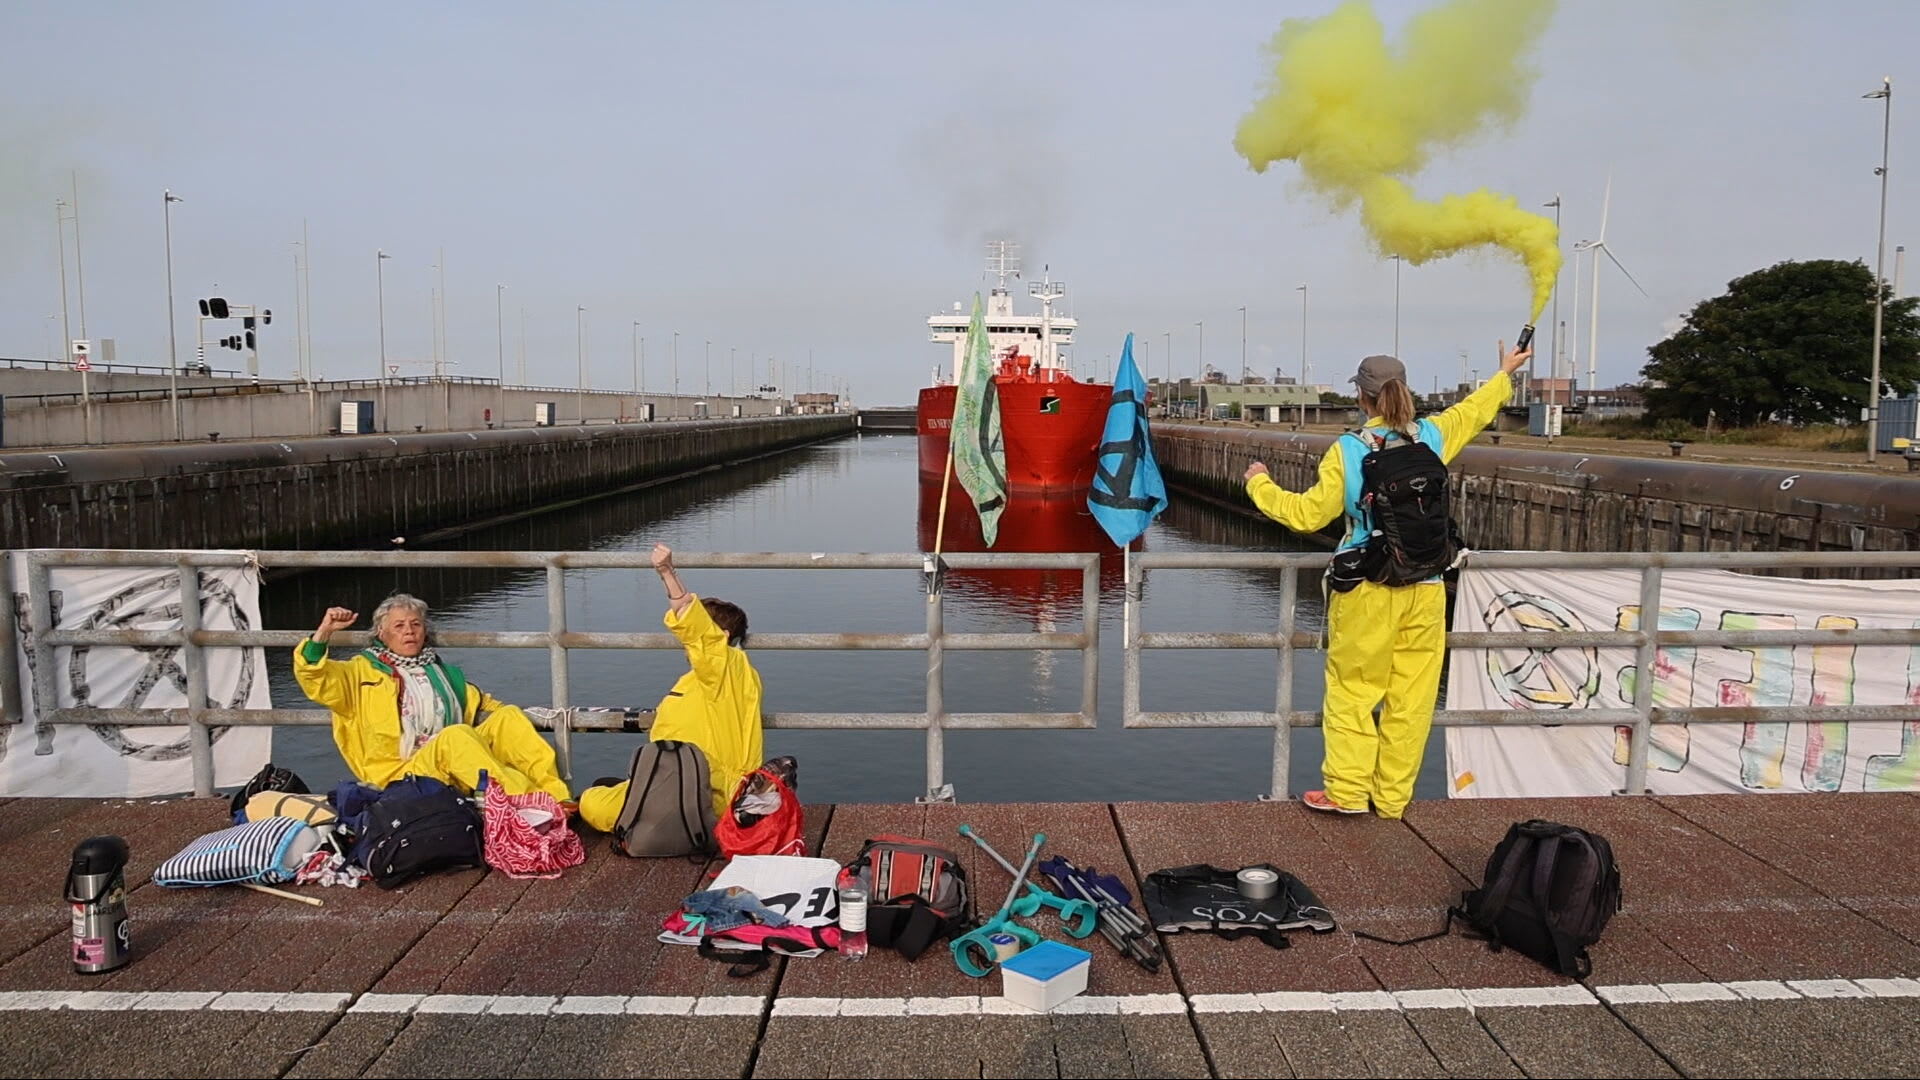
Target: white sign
(80,349)
(1788,755)
(132,762)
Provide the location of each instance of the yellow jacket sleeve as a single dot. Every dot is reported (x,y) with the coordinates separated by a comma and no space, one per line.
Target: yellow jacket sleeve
(327,682)
(1309,511)
(1461,423)
(705,642)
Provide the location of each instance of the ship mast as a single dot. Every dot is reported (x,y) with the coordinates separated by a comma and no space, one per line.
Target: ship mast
(1047,291)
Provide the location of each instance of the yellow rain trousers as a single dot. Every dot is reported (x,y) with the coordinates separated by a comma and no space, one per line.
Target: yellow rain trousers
(715,706)
(1384,643)
(364,697)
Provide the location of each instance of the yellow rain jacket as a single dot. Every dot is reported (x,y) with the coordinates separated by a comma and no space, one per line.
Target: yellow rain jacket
(1383,642)
(715,706)
(364,696)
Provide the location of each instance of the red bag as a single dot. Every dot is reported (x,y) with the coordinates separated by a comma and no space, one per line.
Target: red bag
(522,850)
(776,832)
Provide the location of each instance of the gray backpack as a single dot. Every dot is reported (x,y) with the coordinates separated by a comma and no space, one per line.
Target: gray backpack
(669,805)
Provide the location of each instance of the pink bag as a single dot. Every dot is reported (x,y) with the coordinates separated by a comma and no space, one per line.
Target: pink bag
(520,848)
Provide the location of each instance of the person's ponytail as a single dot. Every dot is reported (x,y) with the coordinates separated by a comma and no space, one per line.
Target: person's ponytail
(1395,402)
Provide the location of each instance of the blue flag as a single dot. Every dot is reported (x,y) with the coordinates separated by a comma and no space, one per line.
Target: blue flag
(1128,492)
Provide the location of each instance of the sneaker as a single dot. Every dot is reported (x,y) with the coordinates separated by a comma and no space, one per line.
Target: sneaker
(1317,800)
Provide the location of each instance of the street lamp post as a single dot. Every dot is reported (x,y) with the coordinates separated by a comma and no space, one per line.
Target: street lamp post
(732,383)
(1554,354)
(673,354)
(500,338)
(1885,93)
(580,332)
(706,372)
(1169,336)
(1397,260)
(1302,290)
(1201,380)
(173,346)
(380,271)
(637,382)
(1243,343)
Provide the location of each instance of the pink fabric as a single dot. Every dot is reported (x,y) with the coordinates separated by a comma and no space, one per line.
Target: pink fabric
(519,850)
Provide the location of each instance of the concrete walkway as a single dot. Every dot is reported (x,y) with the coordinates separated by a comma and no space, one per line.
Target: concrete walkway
(1761,936)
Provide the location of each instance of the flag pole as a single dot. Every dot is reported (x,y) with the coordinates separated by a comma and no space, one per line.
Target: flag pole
(946,485)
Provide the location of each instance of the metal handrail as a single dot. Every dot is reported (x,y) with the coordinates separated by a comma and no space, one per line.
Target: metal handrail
(563,719)
(1643,714)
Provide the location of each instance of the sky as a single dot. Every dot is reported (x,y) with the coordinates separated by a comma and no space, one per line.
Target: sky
(812,181)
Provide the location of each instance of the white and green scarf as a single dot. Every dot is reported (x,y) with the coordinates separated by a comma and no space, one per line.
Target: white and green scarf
(426,698)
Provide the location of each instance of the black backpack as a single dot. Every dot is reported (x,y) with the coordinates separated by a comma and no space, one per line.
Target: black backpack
(1548,892)
(407,836)
(269,778)
(1404,493)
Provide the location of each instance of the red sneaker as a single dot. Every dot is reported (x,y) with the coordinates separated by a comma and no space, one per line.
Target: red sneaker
(1317,800)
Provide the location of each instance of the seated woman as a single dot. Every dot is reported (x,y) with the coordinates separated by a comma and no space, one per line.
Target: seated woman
(715,705)
(399,709)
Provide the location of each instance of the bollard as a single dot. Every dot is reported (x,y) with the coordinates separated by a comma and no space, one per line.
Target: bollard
(1676,446)
(213,436)
(1496,438)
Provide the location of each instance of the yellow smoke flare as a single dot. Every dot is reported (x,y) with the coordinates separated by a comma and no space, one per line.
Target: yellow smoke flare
(1360,117)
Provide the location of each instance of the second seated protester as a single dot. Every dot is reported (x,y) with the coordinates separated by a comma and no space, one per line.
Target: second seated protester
(715,704)
(399,709)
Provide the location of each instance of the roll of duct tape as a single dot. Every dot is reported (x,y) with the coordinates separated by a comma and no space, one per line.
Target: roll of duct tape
(1005,946)
(1257,883)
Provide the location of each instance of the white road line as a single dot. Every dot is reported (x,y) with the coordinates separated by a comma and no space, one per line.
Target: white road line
(1632,995)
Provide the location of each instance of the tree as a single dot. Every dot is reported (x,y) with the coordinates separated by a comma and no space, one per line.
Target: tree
(1793,341)
(1328,397)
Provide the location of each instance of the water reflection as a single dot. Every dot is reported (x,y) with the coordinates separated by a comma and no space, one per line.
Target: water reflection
(1030,523)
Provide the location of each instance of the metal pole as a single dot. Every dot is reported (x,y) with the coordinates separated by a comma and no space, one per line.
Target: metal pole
(306,255)
(580,329)
(500,337)
(1885,93)
(1647,657)
(636,360)
(173,346)
(1554,356)
(1090,619)
(706,367)
(79,261)
(1243,343)
(1281,783)
(199,737)
(674,352)
(1303,355)
(520,373)
(557,668)
(936,699)
(380,271)
(1396,307)
(66,325)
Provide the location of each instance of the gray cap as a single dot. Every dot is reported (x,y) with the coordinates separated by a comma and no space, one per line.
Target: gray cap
(1377,371)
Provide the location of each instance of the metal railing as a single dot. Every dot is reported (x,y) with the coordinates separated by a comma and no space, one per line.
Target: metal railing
(1287,639)
(191,640)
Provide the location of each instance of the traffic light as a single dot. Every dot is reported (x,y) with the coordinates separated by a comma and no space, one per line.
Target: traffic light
(230,342)
(215,308)
(266,317)
(247,322)
(249,337)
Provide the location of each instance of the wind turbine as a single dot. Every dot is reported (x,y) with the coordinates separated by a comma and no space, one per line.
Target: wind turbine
(1596,247)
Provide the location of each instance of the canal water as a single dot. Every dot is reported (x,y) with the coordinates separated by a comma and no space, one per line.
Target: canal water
(864,494)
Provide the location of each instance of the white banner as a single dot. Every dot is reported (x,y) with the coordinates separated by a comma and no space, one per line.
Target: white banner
(1684,759)
(108,761)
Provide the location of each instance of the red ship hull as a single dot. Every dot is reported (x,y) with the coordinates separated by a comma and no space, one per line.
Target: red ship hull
(1051,429)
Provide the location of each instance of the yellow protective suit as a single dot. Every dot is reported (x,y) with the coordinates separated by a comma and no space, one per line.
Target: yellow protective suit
(364,696)
(715,706)
(1383,642)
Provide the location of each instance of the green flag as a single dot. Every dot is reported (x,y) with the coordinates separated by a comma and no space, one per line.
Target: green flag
(979,455)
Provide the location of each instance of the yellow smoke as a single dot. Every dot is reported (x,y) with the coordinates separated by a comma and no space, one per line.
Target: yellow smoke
(1360,117)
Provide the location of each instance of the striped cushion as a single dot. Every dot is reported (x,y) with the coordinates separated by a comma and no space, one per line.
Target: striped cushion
(269,850)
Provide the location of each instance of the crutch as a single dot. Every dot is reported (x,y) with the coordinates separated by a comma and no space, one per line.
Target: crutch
(1080,918)
(972,952)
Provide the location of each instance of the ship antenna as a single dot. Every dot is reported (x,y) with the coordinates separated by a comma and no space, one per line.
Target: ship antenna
(1003,260)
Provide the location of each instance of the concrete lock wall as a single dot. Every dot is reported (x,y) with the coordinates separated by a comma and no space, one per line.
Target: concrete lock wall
(284,411)
(312,493)
(1532,500)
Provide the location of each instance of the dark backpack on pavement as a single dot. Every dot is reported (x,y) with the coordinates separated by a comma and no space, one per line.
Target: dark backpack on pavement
(1404,494)
(669,805)
(269,778)
(407,835)
(1548,892)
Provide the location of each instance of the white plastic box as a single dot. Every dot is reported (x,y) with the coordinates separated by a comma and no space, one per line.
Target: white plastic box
(1045,975)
